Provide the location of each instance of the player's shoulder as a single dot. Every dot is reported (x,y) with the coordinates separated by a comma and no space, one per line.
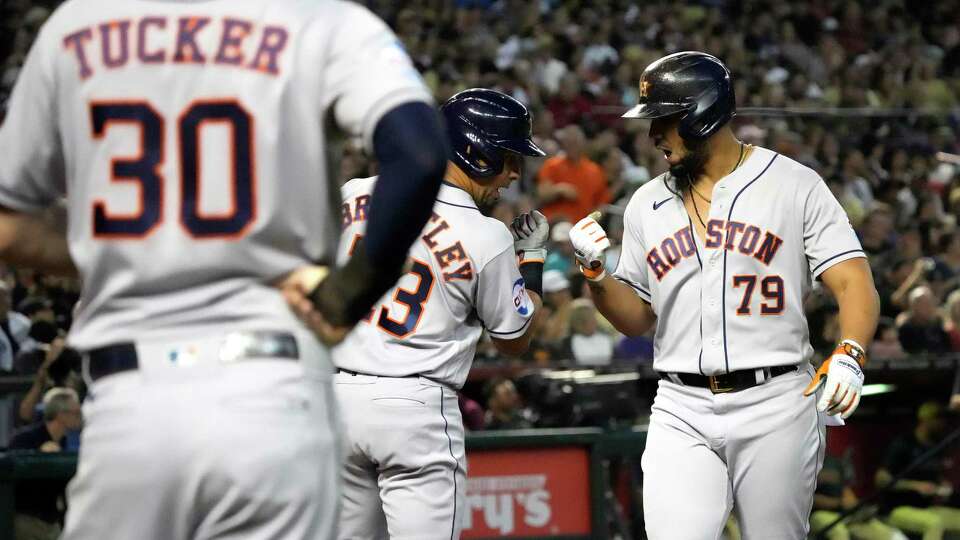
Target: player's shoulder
(357,186)
(482,237)
(493,239)
(651,195)
(785,168)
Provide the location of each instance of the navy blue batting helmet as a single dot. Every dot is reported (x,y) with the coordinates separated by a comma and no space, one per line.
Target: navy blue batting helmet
(691,83)
(483,126)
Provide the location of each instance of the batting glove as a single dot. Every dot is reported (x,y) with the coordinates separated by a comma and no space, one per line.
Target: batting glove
(589,243)
(841,377)
(530,232)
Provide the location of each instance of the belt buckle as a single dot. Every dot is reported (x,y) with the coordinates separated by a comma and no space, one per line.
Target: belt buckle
(715,386)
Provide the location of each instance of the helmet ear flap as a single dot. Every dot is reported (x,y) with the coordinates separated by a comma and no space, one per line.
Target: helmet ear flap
(475,155)
(487,159)
(701,121)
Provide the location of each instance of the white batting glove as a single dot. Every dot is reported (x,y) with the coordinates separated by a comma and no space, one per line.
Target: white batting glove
(841,378)
(530,232)
(589,243)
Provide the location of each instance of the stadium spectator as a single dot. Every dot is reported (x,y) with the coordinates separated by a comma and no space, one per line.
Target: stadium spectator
(560,251)
(14,330)
(39,504)
(571,185)
(887,346)
(42,381)
(917,502)
(557,298)
(833,496)
(921,328)
(504,409)
(586,345)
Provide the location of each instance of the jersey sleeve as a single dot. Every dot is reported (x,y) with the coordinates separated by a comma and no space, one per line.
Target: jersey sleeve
(632,266)
(367,73)
(32,164)
(828,237)
(502,300)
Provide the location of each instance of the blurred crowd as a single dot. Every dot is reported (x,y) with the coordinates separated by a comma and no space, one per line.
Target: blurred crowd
(576,64)
(864,91)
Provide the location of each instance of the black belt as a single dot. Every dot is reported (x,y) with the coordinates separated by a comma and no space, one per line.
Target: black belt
(121,357)
(734,381)
(355,373)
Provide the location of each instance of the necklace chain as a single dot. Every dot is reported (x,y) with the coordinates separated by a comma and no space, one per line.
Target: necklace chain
(694,190)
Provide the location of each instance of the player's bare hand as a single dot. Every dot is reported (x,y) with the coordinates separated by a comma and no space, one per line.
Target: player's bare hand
(842,380)
(589,244)
(296,287)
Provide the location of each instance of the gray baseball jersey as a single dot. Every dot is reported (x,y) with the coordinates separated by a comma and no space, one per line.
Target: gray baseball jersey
(144,114)
(188,139)
(405,471)
(464,279)
(735,299)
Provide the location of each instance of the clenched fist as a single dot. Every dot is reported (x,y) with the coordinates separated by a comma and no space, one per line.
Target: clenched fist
(530,232)
(589,244)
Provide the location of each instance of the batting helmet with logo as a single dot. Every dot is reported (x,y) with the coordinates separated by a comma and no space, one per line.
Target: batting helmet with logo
(484,126)
(691,83)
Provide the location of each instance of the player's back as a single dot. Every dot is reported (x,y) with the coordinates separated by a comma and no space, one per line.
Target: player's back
(430,322)
(192,134)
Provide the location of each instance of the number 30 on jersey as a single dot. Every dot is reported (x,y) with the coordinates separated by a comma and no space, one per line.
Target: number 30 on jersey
(144,169)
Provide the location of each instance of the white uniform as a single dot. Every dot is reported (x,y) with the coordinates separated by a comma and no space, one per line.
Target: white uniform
(728,302)
(400,369)
(188,138)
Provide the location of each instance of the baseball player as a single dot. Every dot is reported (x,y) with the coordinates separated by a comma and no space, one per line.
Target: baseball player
(719,253)
(399,371)
(188,140)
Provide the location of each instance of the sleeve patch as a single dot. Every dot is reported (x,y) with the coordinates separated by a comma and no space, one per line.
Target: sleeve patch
(521,301)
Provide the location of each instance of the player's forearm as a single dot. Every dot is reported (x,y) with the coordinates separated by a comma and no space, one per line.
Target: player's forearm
(620,305)
(34,241)
(859,311)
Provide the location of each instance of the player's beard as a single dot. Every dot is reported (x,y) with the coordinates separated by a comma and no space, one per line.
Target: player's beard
(686,171)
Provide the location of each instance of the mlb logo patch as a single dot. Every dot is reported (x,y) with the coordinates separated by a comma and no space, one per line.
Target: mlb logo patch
(521,301)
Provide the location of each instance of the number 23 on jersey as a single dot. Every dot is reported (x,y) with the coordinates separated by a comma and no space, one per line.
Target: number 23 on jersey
(412,300)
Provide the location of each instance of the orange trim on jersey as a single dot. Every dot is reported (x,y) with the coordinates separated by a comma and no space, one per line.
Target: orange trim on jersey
(528,261)
(158,56)
(198,211)
(781,297)
(353,243)
(106,30)
(230,49)
(745,300)
(385,311)
(100,203)
(267,58)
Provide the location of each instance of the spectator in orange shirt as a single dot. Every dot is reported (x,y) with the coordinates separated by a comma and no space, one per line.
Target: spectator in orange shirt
(570,185)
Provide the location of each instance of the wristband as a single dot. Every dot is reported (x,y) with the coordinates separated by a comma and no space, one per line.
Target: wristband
(532,274)
(593,275)
(852,349)
(532,255)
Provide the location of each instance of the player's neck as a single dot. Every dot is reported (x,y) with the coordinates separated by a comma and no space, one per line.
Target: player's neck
(457,177)
(726,155)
